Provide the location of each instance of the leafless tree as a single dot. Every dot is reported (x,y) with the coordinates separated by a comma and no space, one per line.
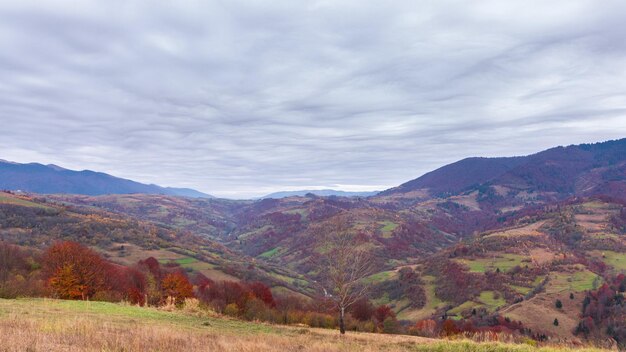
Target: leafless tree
(344,263)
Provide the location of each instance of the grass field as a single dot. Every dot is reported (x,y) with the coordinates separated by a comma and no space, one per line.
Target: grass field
(504,262)
(381,276)
(432,302)
(269,254)
(14,200)
(573,282)
(615,259)
(488,298)
(388,228)
(53,325)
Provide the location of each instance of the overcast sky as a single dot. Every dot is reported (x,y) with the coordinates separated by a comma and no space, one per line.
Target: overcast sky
(240,99)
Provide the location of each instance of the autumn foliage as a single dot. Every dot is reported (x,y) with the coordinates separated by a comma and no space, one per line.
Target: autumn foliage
(74,271)
(177,286)
(604,310)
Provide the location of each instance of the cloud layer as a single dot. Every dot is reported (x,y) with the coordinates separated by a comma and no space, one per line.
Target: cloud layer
(241,99)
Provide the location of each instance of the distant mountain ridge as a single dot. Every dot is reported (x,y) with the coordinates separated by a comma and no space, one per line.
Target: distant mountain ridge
(51,179)
(319,192)
(565,171)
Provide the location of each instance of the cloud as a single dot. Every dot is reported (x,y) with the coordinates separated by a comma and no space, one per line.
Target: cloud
(240,99)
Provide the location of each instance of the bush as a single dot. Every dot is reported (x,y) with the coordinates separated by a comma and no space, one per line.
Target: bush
(231,310)
(391,326)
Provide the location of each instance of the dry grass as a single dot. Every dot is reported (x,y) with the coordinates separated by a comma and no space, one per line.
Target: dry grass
(528,230)
(89,335)
(538,314)
(48,325)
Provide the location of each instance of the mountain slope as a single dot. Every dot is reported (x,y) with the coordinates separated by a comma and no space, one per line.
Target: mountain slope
(460,175)
(558,173)
(49,179)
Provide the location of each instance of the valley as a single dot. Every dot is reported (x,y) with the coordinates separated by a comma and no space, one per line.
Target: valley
(471,243)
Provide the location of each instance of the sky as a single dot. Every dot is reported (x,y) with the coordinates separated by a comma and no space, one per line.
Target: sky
(243,98)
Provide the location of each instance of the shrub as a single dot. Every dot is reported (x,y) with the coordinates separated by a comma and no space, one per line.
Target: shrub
(391,326)
(231,310)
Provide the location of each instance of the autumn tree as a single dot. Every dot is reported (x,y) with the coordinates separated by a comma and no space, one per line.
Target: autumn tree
(153,275)
(74,271)
(177,286)
(262,292)
(344,263)
(362,310)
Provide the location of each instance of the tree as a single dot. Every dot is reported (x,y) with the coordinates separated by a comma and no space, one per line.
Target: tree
(558,304)
(556,322)
(177,286)
(262,292)
(362,310)
(75,271)
(344,264)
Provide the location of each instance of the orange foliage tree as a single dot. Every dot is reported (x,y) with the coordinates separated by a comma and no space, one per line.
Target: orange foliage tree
(74,271)
(177,286)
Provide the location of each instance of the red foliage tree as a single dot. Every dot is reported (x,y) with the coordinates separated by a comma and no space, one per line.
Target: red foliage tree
(381,314)
(74,271)
(177,286)
(233,292)
(262,292)
(152,266)
(129,283)
(362,310)
(449,328)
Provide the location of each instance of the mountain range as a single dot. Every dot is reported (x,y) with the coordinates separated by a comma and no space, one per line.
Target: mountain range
(48,179)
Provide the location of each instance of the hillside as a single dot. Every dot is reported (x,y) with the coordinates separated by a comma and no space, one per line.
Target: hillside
(284,231)
(99,326)
(555,253)
(47,179)
(518,270)
(37,222)
(557,173)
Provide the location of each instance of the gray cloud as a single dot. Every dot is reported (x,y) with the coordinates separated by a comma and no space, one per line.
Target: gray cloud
(240,99)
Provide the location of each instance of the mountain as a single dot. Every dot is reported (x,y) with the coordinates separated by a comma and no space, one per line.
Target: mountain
(460,175)
(319,192)
(50,179)
(556,173)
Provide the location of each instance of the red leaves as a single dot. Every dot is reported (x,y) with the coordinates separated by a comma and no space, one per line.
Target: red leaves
(74,271)
(177,286)
(382,312)
(449,328)
(262,292)
(362,310)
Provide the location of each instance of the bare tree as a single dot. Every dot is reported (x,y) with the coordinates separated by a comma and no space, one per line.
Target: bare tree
(344,263)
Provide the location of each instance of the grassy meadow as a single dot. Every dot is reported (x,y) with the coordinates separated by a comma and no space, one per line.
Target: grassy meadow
(56,325)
